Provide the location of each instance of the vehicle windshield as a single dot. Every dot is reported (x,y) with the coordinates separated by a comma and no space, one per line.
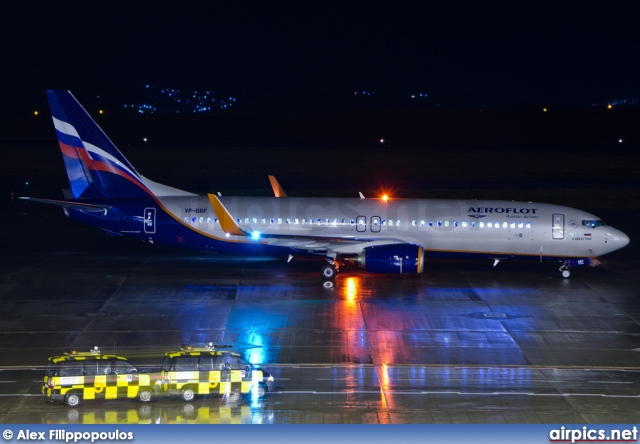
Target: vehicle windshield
(593,223)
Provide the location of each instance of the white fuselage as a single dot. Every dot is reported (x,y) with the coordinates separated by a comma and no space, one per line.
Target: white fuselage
(465,226)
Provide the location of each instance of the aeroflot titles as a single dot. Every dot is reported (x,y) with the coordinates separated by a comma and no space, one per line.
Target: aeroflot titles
(487,210)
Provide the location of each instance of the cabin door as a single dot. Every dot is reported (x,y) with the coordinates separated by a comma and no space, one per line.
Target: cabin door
(150,220)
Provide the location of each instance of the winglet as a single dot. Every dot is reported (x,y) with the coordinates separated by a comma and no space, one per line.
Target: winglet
(227,223)
(278,191)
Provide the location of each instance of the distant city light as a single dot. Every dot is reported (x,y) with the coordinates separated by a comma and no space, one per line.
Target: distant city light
(35,113)
(381,140)
(544,110)
(173,101)
(100,112)
(619,140)
(144,139)
(609,106)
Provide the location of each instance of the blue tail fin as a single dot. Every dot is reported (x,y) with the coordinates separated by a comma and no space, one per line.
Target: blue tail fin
(95,167)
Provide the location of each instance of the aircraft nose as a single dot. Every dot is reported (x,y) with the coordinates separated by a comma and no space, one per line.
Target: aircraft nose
(619,238)
(623,240)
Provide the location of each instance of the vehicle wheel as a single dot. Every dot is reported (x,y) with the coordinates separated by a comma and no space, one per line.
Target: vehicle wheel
(328,272)
(261,390)
(144,394)
(566,273)
(188,394)
(72,400)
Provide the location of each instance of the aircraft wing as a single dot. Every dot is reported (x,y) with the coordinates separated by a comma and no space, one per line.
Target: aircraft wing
(299,240)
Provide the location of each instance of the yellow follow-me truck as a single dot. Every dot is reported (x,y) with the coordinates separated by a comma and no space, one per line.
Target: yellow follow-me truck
(187,372)
(200,371)
(74,377)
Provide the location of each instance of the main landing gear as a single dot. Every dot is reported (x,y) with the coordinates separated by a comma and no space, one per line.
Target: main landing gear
(564,270)
(330,270)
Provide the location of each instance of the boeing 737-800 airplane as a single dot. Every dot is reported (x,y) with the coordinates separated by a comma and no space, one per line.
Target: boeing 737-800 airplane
(379,235)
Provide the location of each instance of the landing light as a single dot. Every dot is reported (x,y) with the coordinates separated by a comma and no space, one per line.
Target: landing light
(255,235)
(385,198)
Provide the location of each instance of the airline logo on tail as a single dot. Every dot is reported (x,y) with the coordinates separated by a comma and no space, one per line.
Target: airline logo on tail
(95,167)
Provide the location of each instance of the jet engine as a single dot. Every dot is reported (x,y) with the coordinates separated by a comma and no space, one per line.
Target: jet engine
(394,258)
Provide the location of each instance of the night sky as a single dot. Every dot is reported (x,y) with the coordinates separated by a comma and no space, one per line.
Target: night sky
(272,56)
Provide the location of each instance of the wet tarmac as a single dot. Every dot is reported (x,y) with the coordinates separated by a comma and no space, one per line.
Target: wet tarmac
(462,343)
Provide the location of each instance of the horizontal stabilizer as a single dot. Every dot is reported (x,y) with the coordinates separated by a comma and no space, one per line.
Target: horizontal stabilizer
(65,203)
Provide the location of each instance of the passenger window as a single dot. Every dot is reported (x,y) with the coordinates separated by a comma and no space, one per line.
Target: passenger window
(104,367)
(186,364)
(71,369)
(91,368)
(124,368)
(206,362)
(222,362)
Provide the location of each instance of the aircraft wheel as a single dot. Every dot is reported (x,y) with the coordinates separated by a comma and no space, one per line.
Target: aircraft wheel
(328,272)
(566,273)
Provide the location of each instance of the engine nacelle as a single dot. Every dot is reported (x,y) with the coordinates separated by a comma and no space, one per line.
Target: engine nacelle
(395,258)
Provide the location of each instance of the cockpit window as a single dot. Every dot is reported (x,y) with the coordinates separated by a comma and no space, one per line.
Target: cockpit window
(593,223)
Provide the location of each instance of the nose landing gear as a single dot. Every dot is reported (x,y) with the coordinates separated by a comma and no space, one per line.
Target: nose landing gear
(564,270)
